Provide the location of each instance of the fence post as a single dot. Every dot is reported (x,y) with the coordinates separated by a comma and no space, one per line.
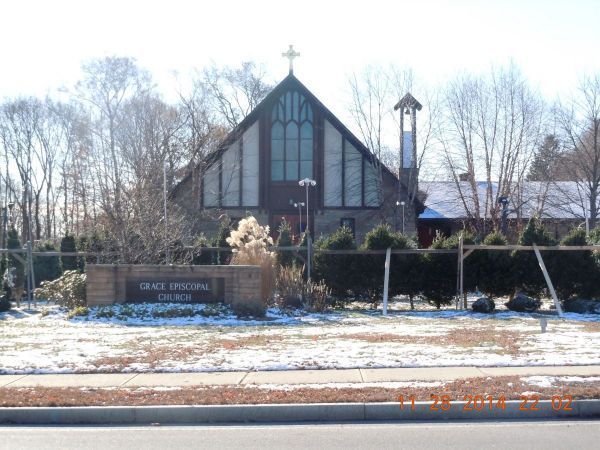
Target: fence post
(459,274)
(386,280)
(548,280)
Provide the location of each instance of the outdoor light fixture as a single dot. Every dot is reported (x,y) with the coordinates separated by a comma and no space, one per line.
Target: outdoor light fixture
(307,182)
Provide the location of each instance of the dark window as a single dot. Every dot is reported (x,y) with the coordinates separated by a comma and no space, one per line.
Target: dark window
(347,222)
(291,138)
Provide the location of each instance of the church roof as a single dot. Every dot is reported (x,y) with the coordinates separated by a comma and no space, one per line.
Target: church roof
(550,200)
(290,82)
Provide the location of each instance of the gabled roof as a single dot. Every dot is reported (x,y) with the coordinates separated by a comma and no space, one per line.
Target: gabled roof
(290,82)
(552,200)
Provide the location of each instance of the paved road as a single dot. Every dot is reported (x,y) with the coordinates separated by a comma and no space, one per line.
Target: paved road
(513,435)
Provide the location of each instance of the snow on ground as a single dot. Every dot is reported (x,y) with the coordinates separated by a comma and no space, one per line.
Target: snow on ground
(547,381)
(145,338)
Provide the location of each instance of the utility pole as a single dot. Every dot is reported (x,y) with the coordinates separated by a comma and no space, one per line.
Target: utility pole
(167,252)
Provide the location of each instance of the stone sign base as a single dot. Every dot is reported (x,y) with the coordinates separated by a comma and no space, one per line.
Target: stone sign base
(122,283)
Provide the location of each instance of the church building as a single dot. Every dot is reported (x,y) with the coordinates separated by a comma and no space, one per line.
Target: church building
(292,159)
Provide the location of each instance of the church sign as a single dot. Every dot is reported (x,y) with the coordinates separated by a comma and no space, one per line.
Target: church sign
(174,290)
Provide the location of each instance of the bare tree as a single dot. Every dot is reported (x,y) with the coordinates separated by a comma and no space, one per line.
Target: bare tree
(579,120)
(234,92)
(489,130)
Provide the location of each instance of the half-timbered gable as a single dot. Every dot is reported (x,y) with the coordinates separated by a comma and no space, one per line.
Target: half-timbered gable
(288,137)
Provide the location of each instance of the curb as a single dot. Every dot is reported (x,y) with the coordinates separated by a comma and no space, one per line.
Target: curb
(318,412)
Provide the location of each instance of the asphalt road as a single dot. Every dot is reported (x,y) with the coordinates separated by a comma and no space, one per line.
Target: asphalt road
(477,435)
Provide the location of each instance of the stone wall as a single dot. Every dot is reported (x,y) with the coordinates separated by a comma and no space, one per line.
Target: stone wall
(106,282)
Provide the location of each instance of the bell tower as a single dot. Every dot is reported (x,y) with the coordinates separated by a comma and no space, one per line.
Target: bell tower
(408,172)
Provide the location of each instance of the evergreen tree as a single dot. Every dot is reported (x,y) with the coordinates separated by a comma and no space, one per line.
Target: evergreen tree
(285,257)
(67,244)
(546,162)
(492,268)
(338,271)
(404,269)
(527,273)
(46,268)
(575,272)
(221,241)
(201,257)
(440,270)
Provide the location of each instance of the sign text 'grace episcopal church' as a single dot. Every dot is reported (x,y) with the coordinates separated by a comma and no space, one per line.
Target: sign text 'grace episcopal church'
(291,136)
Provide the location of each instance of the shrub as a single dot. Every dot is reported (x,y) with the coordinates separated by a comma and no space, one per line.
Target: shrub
(526,270)
(575,273)
(440,270)
(404,269)
(492,268)
(338,271)
(200,257)
(285,257)
(104,312)
(4,302)
(68,290)
(290,287)
(78,311)
(594,239)
(372,266)
(46,268)
(250,244)
(223,234)
(67,244)
(245,309)
(174,311)
(317,296)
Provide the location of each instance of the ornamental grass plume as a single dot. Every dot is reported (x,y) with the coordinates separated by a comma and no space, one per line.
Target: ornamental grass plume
(250,244)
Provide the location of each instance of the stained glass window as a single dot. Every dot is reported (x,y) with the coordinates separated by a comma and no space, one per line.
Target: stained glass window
(291,138)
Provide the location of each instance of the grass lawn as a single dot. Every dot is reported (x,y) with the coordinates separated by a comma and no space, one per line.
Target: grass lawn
(199,338)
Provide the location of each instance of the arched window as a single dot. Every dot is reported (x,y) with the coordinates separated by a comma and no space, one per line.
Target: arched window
(291,138)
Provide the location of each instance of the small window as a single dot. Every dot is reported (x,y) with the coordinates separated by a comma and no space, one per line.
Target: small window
(348,222)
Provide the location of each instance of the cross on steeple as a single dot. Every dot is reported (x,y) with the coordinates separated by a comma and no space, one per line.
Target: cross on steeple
(291,54)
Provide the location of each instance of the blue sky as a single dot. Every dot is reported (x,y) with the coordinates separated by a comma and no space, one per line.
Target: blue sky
(554,41)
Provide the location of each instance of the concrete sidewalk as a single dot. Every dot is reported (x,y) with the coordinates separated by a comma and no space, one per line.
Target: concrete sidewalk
(357,376)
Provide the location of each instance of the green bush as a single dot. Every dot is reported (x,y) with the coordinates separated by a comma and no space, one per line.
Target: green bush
(220,240)
(526,270)
(67,244)
(575,272)
(78,311)
(440,270)
(338,271)
(285,257)
(404,269)
(493,268)
(68,290)
(202,257)
(245,309)
(594,239)
(46,268)
(4,302)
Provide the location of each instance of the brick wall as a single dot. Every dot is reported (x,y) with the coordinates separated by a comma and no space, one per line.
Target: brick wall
(106,282)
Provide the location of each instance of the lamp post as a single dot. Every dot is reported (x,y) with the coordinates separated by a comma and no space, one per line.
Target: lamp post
(306,183)
(299,205)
